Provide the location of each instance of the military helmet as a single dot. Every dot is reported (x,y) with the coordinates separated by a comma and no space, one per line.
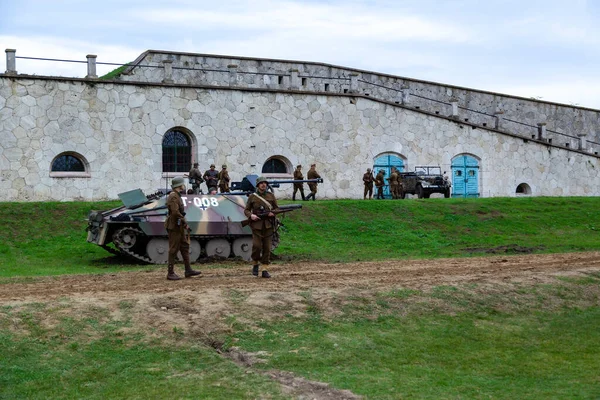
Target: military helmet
(298,166)
(176,182)
(224,166)
(212,165)
(368,169)
(260,179)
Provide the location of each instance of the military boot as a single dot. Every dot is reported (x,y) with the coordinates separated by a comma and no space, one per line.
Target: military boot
(171,275)
(265,274)
(294,197)
(189,272)
(255,270)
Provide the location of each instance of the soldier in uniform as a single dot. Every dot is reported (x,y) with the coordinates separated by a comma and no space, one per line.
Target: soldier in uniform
(195,178)
(224,180)
(178,230)
(393,179)
(211,177)
(259,209)
(368,181)
(379,184)
(312,174)
(298,176)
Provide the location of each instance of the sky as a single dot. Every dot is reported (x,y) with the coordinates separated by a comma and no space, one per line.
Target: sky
(548,50)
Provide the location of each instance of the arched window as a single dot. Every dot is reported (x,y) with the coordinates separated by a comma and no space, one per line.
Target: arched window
(69,165)
(176,152)
(276,165)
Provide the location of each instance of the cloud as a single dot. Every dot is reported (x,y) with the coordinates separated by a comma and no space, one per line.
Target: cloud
(350,21)
(63,49)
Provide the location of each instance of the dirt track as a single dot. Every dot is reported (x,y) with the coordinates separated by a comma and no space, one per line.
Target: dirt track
(291,278)
(201,307)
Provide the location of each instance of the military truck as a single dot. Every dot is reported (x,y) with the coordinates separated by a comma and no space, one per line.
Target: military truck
(424,181)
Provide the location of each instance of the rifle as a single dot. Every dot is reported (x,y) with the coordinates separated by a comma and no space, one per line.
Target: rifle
(265,214)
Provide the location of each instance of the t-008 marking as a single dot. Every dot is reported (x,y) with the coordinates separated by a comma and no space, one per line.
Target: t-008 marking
(201,202)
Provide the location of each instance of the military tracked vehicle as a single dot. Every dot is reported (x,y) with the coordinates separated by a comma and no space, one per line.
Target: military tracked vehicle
(137,227)
(423,182)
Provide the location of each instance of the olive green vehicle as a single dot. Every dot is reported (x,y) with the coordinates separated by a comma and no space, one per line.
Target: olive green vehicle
(423,182)
(216,226)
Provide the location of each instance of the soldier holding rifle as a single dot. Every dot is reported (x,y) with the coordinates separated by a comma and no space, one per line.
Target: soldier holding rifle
(178,230)
(261,203)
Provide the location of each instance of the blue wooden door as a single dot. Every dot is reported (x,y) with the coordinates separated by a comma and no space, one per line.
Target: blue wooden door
(465,176)
(385,162)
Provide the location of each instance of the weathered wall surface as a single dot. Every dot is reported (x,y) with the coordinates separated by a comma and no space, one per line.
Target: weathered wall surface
(519,115)
(119,128)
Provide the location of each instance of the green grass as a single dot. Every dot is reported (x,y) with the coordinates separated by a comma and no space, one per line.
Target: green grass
(529,352)
(94,356)
(351,230)
(50,238)
(114,73)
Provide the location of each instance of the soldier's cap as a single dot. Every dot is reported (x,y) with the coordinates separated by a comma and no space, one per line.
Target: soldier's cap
(260,179)
(176,182)
(368,169)
(298,166)
(224,166)
(382,171)
(212,165)
(313,165)
(212,189)
(195,164)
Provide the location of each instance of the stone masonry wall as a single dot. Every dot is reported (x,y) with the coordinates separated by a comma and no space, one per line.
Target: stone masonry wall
(118,129)
(565,124)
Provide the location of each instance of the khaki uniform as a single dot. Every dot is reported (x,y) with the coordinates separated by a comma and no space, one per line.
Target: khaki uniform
(195,178)
(298,176)
(224,181)
(312,174)
(379,182)
(262,230)
(176,226)
(394,184)
(368,182)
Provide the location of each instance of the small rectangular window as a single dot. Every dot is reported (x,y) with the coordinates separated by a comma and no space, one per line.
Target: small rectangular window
(327,87)
(303,81)
(281,80)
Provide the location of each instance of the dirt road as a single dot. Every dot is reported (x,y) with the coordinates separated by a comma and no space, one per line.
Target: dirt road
(290,278)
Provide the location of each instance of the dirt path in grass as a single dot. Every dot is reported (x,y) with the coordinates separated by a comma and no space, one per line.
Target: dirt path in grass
(298,277)
(203,307)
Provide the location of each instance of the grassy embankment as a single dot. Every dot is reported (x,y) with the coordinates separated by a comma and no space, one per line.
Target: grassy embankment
(498,341)
(50,238)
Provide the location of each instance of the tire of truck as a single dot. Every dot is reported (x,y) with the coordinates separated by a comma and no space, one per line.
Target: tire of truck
(447,193)
(426,195)
(419,191)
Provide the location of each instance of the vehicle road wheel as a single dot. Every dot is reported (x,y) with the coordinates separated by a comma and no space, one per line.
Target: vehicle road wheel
(242,247)
(195,251)
(420,192)
(158,250)
(426,195)
(218,248)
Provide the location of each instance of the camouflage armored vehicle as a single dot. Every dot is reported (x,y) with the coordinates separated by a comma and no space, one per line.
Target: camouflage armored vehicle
(423,182)
(137,227)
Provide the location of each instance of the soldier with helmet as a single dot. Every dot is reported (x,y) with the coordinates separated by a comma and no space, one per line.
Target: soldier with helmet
(368,182)
(224,179)
(259,209)
(298,176)
(312,174)
(394,183)
(211,176)
(178,230)
(195,178)
(379,184)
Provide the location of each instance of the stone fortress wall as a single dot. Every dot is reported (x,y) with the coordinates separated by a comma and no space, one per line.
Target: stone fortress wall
(562,124)
(117,128)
